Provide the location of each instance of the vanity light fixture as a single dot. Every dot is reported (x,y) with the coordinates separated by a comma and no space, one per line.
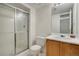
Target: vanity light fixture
(58,4)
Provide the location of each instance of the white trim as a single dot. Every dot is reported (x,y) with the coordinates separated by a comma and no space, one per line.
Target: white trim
(70,21)
(16,8)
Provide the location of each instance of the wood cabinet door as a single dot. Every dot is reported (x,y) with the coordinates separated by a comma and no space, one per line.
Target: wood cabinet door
(55,48)
(65,49)
(52,48)
(74,50)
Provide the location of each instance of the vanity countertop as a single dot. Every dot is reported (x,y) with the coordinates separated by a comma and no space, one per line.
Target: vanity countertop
(63,39)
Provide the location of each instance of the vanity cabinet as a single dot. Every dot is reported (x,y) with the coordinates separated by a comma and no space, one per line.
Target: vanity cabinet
(52,48)
(57,48)
(65,49)
(74,50)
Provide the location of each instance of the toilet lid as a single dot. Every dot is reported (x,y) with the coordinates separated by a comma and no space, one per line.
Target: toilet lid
(35,47)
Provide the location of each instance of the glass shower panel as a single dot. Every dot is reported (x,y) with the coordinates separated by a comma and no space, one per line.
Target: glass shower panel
(21,22)
(6,30)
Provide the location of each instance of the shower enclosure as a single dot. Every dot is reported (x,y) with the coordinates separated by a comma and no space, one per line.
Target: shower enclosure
(14,34)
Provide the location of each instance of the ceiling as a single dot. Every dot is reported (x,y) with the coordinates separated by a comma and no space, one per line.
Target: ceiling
(38,5)
(56,9)
(62,8)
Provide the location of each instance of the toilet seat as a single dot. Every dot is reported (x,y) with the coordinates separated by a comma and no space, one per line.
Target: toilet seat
(35,47)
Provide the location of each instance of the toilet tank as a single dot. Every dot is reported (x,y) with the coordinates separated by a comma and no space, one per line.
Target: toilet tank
(40,40)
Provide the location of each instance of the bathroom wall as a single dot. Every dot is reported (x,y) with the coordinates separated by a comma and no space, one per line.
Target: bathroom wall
(77,24)
(56,23)
(43,20)
(76,18)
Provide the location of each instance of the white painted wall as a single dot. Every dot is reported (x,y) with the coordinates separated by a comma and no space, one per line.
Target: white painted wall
(43,20)
(56,23)
(32,26)
(75,18)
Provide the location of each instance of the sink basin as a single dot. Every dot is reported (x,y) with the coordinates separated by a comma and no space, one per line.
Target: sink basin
(60,36)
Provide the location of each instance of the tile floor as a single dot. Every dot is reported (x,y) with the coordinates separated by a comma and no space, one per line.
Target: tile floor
(28,53)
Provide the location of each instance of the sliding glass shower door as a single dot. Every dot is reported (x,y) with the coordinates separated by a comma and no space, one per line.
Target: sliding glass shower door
(21,31)
(7,43)
(14,26)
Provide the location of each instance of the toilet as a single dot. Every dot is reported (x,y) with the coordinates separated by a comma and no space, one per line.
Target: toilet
(35,50)
(37,46)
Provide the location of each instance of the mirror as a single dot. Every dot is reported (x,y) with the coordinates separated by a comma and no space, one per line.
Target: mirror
(62,18)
